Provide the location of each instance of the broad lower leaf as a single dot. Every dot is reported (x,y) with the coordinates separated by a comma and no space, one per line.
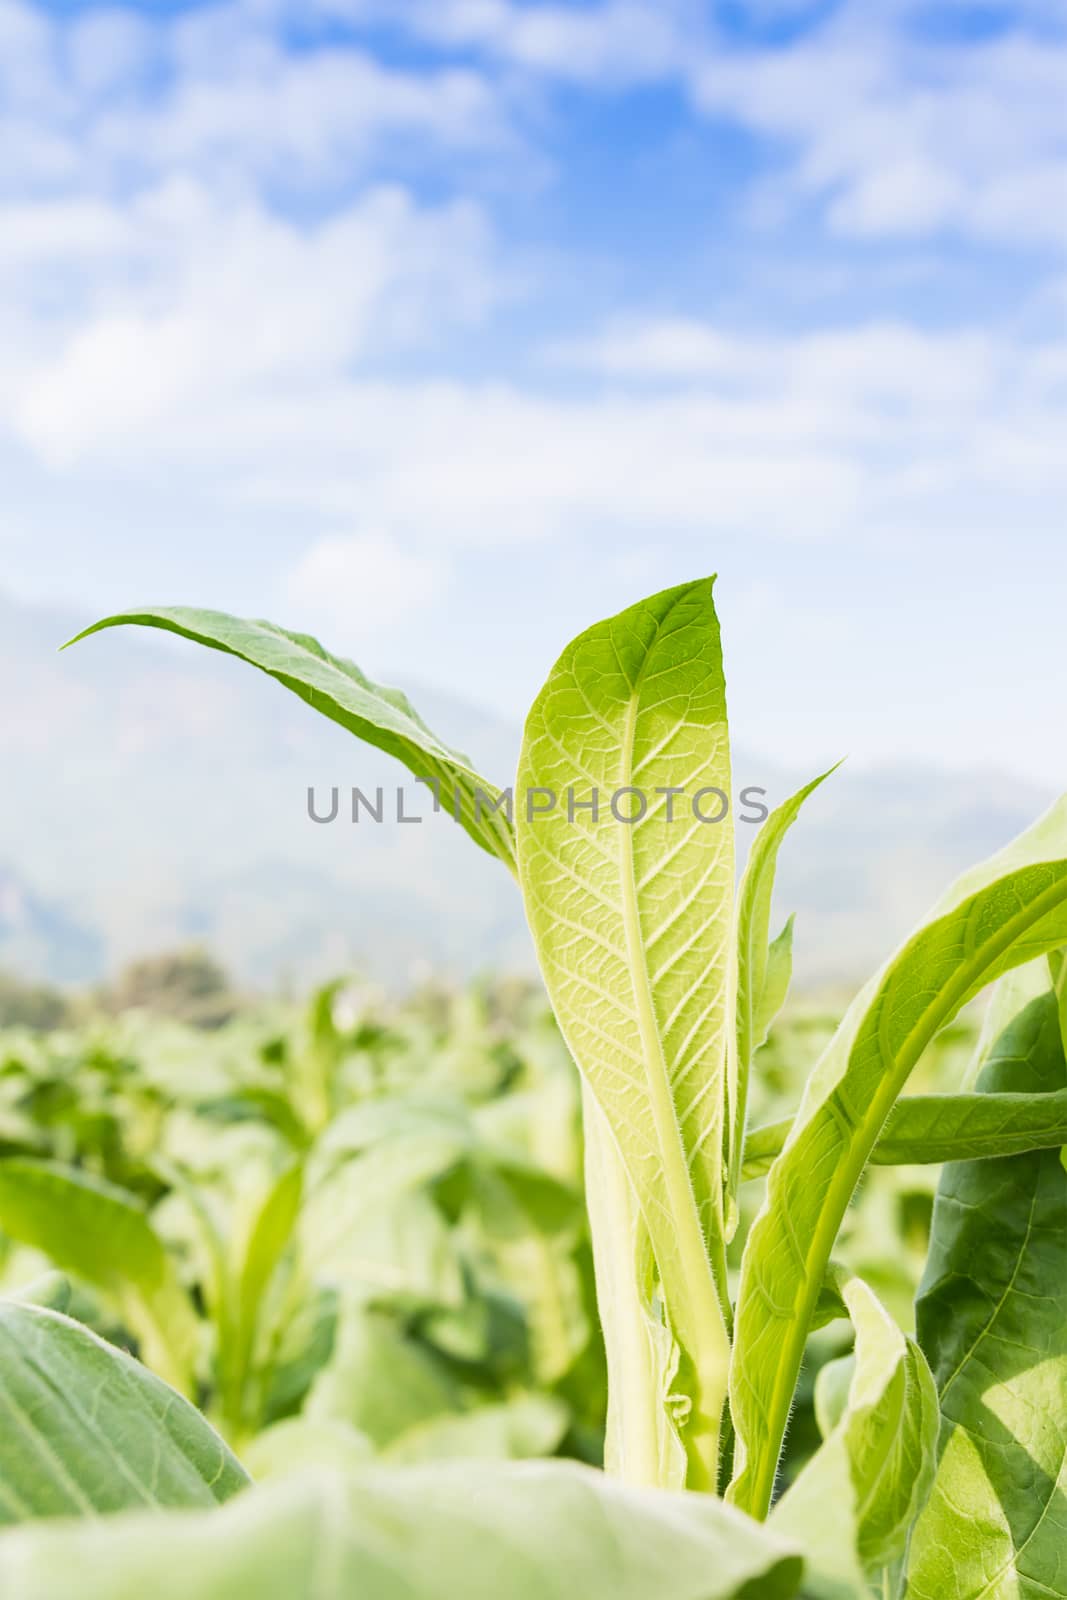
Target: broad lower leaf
(763,970)
(87,1429)
(929,1129)
(101,1234)
(633,925)
(339,690)
(1005,913)
(992,1318)
(854,1502)
(533,1531)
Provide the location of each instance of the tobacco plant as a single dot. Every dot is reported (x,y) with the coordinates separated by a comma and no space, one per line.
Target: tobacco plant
(942,1464)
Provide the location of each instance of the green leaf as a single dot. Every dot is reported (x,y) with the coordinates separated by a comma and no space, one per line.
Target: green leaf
(366,1220)
(852,1505)
(776,981)
(339,690)
(402,1251)
(530,1531)
(633,927)
(642,1443)
(271,1231)
(380,1381)
(992,1318)
(832,1383)
(297,1444)
(763,971)
(1000,915)
(101,1234)
(1058,968)
(928,1129)
(526,1425)
(87,1429)
(271,1228)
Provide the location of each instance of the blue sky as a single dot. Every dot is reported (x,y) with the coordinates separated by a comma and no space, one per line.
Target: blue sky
(442,327)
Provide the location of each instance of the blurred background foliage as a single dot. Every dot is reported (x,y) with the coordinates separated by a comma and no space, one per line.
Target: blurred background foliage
(354,1226)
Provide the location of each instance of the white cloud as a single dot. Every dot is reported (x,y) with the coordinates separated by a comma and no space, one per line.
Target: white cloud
(901,136)
(858,435)
(613,43)
(112,102)
(161,315)
(308,120)
(883,130)
(618,42)
(185,302)
(364,583)
(856,372)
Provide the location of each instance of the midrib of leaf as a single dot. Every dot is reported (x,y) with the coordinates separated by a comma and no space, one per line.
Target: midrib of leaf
(692,1299)
(847,1173)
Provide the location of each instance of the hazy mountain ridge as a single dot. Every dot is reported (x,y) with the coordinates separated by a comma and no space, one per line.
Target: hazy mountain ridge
(156,794)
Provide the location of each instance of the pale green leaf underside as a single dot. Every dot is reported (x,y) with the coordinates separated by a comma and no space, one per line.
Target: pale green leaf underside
(854,1502)
(339,690)
(633,922)
(539,1531)
(641,1444)
(928,1129)
(86,1429)
(992,1318)
(1009,911)
(101,1234)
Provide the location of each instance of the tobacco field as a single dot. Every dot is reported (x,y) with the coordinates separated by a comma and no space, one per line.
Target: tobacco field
(657,1281)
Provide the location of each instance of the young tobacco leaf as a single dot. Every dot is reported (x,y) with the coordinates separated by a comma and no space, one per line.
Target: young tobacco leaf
(1006,912)
(87,1429)
(101,1234)
(854,1502)
(929,1129)
(268,1235)
(763,969)
(339,690)
(992,1318)
(633,924)
(534,1531)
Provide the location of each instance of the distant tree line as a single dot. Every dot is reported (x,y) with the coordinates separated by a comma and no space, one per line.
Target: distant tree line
(189,985)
